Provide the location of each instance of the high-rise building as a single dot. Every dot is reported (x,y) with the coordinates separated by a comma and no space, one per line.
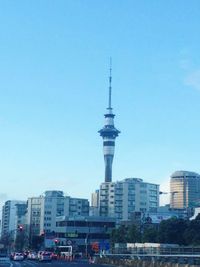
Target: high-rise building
(120,199)
(34,216)
(95,199)
(109,133)
(94,208)
(184,189)
(13,214)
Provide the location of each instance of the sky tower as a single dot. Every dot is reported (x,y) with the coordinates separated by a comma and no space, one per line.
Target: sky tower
(109,133)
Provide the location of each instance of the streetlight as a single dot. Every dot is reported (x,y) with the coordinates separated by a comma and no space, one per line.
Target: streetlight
(87,237)
(171,197)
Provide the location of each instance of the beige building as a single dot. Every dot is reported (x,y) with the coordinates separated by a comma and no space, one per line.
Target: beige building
(184,189)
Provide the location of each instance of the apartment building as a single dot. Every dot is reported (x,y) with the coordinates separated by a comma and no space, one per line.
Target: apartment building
(13,214)
(120,199)
(43,210)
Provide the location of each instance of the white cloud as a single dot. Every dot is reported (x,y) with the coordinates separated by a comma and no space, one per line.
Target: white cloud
(193,79)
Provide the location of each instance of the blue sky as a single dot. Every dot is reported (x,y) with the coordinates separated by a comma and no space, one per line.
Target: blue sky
(54,61)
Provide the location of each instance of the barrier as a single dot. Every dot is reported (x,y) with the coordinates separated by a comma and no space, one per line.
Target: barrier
(149,260)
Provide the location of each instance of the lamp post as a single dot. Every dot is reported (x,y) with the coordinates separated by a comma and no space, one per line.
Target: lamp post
(87,237)
(66,231)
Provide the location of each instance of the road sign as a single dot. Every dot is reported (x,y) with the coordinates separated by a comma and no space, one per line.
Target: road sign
(103,245)
(69,242)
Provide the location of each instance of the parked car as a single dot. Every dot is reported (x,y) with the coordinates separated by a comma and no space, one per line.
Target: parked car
(18,257)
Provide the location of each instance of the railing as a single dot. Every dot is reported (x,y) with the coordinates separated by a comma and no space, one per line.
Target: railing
(168,258)
(158,250)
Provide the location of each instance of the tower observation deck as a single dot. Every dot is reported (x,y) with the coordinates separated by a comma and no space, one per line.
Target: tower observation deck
(109,133)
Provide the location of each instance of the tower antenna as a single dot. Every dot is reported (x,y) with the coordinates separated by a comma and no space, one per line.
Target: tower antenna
(110,85)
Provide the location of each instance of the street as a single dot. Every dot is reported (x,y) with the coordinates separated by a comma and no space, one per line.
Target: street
(27,263)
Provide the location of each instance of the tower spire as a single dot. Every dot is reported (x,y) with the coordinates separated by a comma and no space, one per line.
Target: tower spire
(110,85)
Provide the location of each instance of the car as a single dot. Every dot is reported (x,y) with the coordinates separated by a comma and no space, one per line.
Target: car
(54,256)
(12,254)
(45,256)
(39,254)
(18,257)
(32,256)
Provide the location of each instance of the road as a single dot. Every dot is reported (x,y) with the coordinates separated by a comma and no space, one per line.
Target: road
(27,263)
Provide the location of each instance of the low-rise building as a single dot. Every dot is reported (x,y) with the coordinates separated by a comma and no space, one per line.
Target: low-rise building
(82,232)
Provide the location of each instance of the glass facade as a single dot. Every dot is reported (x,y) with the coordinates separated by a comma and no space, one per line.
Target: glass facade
(184,189)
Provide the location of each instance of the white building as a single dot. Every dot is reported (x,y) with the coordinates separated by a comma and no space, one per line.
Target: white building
(43,210)
(13,214)
(120,199)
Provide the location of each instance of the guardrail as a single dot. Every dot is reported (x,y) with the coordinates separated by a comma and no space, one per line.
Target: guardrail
(167,258)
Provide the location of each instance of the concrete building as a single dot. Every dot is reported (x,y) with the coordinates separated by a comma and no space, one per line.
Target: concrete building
(34,215)
(83,231)
(120,199)
(43,210)
(94,208)
(13,215)
(184,190)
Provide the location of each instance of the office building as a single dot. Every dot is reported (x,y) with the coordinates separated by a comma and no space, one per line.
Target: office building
(184,190)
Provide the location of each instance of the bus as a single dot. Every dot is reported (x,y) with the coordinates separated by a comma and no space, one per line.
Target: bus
(64,251)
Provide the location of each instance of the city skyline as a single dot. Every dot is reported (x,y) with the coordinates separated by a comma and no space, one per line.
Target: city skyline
(54,62)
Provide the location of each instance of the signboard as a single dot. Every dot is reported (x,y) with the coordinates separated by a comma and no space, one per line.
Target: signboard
(71,235)
(104,245)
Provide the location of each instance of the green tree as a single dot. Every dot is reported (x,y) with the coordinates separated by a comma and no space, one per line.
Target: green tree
(150,234)
(172,231)
(37,242)
(133,234)
(20,241)
(192,233)
(119,235)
